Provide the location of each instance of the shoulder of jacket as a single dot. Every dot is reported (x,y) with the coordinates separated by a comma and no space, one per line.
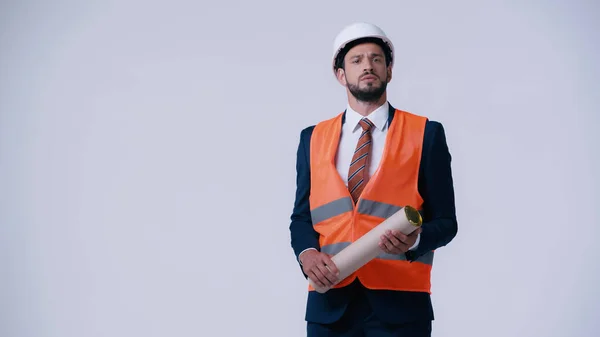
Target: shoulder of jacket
(307,130)
(434,125)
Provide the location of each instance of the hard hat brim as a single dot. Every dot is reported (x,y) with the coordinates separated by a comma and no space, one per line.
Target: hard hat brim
(384,39)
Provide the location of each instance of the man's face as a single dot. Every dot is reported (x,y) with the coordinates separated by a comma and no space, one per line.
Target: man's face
(365,74)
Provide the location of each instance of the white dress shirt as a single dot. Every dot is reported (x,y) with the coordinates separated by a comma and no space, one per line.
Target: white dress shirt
(351,131)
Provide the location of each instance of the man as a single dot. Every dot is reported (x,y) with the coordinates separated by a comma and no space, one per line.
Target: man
(355,170)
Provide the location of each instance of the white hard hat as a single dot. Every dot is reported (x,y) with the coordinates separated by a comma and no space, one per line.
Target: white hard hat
(357,31)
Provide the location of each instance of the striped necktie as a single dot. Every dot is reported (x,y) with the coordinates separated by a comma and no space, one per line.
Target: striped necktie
(358,175)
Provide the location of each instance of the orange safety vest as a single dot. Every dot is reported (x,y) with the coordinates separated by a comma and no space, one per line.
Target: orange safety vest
(339,221)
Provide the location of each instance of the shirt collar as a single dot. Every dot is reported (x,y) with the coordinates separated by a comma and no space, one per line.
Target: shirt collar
(378,117)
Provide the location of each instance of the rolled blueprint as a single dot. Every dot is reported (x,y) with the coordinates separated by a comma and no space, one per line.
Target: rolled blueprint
(366,248)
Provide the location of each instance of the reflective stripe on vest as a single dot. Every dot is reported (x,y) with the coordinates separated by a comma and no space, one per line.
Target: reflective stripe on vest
(369,207)
(394,185)
(335,248)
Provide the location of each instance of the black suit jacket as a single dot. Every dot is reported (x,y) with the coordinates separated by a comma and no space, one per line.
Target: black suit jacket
(439,228)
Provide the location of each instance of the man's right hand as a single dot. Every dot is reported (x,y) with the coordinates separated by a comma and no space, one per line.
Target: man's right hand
(319,267)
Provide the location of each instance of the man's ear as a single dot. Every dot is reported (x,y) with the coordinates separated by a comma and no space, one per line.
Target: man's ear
(389,74)
(341,77)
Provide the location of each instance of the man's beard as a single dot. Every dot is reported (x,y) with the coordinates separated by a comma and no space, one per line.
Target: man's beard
(369,94)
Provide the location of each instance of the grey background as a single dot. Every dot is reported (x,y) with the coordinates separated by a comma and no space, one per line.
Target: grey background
(147,161)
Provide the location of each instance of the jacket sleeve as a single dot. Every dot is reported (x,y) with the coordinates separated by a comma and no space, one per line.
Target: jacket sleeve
(302,233)
(436,187)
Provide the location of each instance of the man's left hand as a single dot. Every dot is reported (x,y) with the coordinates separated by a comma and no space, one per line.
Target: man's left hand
(394,242)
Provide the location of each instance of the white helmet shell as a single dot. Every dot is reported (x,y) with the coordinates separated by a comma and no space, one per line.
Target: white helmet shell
(357,31)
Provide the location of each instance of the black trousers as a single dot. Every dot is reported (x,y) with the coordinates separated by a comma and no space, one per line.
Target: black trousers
(360,321)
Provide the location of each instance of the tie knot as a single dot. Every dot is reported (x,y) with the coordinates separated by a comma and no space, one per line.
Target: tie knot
(366,124)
